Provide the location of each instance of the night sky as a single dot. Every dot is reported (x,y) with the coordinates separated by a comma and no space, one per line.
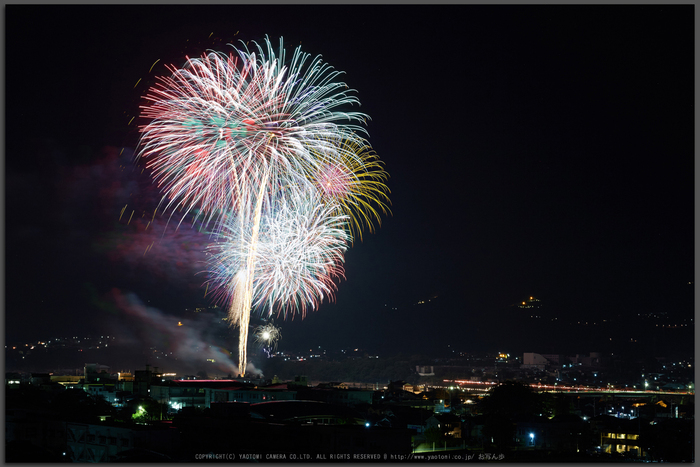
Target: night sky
(533,151)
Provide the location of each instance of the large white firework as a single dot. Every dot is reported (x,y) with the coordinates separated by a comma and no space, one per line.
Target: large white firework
(299,255)
(225,124)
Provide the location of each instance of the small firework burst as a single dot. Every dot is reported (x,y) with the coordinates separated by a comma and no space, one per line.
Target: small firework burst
(267,335)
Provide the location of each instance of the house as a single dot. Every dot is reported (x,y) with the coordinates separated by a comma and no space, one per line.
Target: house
(617,435)
(448,424)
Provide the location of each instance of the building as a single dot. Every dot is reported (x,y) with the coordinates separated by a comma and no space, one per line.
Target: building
(105,442)
(243,394)
(106,391)
(192,392)
(290,431)
(533,360)
(336,395)
(447,424)
(532,302)
(39,379)
(142,381)
(66,380)
(594,359)
(305,413)
(617,435)
(36,428)
(93,372)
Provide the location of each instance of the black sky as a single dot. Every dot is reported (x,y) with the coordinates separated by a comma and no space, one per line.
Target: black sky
(533,150)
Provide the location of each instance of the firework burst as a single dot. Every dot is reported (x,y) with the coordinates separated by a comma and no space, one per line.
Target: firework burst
(299,254)
(258,145)
(223,125)
(354,181)
(267,335)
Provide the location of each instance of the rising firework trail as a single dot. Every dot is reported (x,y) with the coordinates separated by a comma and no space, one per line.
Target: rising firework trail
(232,137)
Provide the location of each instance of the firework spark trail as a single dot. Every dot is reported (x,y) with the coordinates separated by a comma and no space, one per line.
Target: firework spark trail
(228,133)
(237,313)
(241,309)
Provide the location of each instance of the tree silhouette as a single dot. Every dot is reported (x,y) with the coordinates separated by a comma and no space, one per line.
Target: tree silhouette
(506,403)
